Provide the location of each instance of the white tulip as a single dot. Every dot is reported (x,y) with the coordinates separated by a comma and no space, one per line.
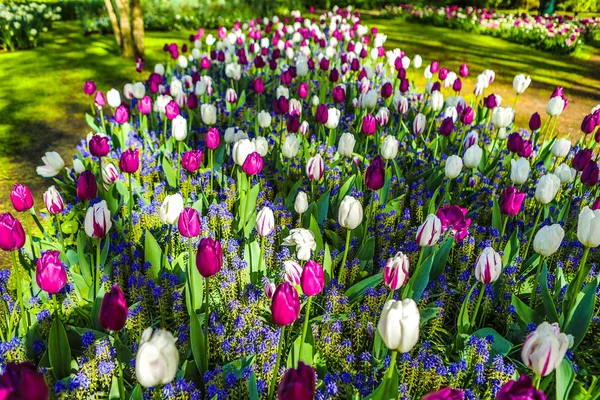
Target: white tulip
(488,266)
(502,117)
(417,61)
(292,271)
(182,62)
(241,149)
(304,240)
(113,98)
(548,239)
(209,114)
(97,221)
(159,69)
(565,173)
(472,156)
(78,166)
(545,348)
(179,128)
(265,221)
(399,325)
(157,358)
(555,106)
(333,118)
(139,90)
(171,208)
(291,146)
(301,203)
(350,213)
(430,231)
(261,146)
(264,119)
(588,227)
(453,167)
(53,165)
(110,173)
(389,147)
(547,188)
(561,148)
(346,145)
(315,167)
(419,124)
(436,101)
(519,170)
(521,83)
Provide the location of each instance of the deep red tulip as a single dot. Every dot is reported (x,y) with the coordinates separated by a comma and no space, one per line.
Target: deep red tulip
(113,311)
(209,258)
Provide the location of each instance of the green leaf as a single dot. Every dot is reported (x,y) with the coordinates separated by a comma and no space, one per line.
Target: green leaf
(252,387)
(511,249)
(169,173)
(91,122)
(152,253)
(464,320)
(327,264)
(250,203)
(385,190)
(344,190)
(431,207)
(525,313)
(238,367)
(549,306)
(429,313)
(388,389)
(291,197)
(308,350)
(496,216)
(579,319)
(323,207)
(115,393)
(314,228)
(197,341)
(59,350)
(358,290)
(418,282)
(500,344)
(565,376)
(441,258)
(84,267)
(137,393)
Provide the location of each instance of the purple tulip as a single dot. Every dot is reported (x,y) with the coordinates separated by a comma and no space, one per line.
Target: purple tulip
(463,70)
(443,74)
(281,105)
(457,85)
(21,198)
(285,305)
(50,273)
(130,161)
(113,311)
(511,200)
(22,381)
(596,204)
(588,124)
(491,101)
(293,123)
(298,383)
(322,114)
(145,105)
(589,175)
(375,174)
(467,116)
(526,149)
(99,145)
(445,393)
(514,143)
(12,236)
(434,66)
(558,92)
(521,389)
(535,122)
(213,138)
(99,99)
(312,280)
(121,114)
(189,223)
(387,90)
(404,85)
(191,160)
(581,159)
(209,258)
(171,110)
(447,126)
(89,87)
(355,65)
(253,164)
(324,64)
(436,87)
(334,76)
(87,187)
(338,94)
(258,85)
(192,101)
(369,124)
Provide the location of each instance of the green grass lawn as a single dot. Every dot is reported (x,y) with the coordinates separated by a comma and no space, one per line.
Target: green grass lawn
(42,106)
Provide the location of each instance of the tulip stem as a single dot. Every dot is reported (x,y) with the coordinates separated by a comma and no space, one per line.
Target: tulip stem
(537,219)
(28,227)
(535,282)
(478,305)
(536,381)
(348,234)
(190,276)
(504,227)
(260,258)
(277,361)
(210,166)
(390,371)
(97,270)
(130,208)
(305,327)
(206,318)
(575,286)
(18,284)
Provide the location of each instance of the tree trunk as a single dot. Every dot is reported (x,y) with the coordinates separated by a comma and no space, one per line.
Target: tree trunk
(126,37)
(113,21)
(138,26)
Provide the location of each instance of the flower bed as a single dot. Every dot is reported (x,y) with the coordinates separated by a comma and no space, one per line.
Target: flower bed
(22,24)
(280,212)
(558,34)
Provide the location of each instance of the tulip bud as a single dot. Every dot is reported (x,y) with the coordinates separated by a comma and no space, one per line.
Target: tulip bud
(589,175)
(157,358)
(521,83)
(89,87)
(545,348)
(113,311)
(555,106)
(209,258)
(436,100)
(395,272)
(375,174)
(189,223)
(548,239)
(231,96)
(12,236)
(130,161)
(87,188)
(171,208)
(488,266)
(399,325)
(265,221)
(292,272)
(315,167)
(519,170)
(21,198)
(301,203)
(346,145)
(291,146)
(97,220)
(472,157)
(53,201)
(270,289)
(298,383)
(547,188)
(588,227)
(285,306)
(419,124)
(389,147)
(369,124)
(561,148)
(23,381)
(350,213)
(453,167)
(430,231)
(471,139)
(511,200)
(565,173)
(208,113)
(312,279)
(179,128)
(114,98)
(588,124)
(535,122)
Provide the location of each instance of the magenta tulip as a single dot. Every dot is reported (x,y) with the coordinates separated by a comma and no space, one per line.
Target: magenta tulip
(298,383)
(99,145)
(89,88)
(369,124)
(22,381)
(338,94)
(191,160)
(113,311)
(445,393)
(375,174)
(213,139)
(130,161)
(463,70)
(454,218)
(522,389)
(511,200)
(253,164)
(121,114)
(322,114)
(189,223)
(209,258)
(99,99)
(303,90)
(258,85)
(171,110)
(285,306)
(145,105)
(50,274)
(87,187)
(12,236)
(21,198)
(312,279)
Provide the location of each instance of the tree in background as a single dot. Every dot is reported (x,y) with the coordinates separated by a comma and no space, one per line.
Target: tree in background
(128,26)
